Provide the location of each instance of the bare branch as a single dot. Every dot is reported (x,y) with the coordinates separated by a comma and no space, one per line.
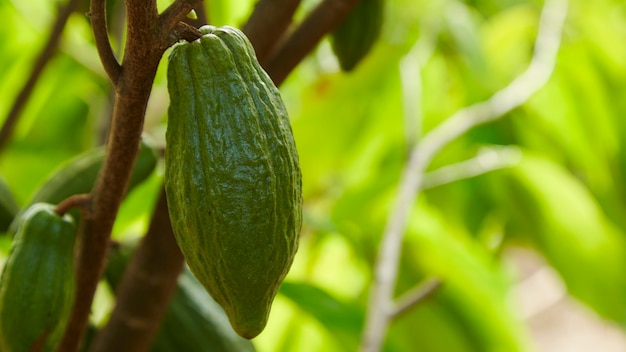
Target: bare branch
(175,13)
(146,289)
(411,79)
(185,31)
(201,16)
(515,94)
(488,159)
(322,20)
(46,54)
(78,200)
(268,23)
(201,13)
(416,295)
(101,35)
(145,45)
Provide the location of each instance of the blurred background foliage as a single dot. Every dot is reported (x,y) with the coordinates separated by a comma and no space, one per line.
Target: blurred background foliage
(560,192)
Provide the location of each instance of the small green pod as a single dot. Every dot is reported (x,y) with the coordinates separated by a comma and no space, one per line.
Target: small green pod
(37,282)
(353,39)
(79,174)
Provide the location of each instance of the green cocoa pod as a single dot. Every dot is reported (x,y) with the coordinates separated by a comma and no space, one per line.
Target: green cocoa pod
(37,282)
(193,321)
(355,36)
(232,177)
(79,174)
(8,206)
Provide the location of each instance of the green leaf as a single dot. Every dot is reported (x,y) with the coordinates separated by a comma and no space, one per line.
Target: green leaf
(470,279)
(574,235)
(343,320)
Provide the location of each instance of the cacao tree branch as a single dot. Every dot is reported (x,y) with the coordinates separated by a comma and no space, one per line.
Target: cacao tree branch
(101,35)
(174,13)
(201,16)
(267,24)
(77,200)
(322,20)
(186,31)
(94,230)
(201,13)
(547,44)
(46,54)
(146,289)
(146,41)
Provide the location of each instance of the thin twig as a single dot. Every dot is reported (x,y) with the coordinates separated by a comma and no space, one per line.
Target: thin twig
(512,96)
(46,54)
(78,200)
(488,159)
(414,296)
(145,290)
(201,13)
(267,25)
(322,20)
(201,16)
(186,31)
(411,80)
(101,36)
(174,13)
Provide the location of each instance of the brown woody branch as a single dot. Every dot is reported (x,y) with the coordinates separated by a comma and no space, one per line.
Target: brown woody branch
(78,200)
(148,36)
(107,195)
(267,25)
(201,17)
(146,289)
(101,36)
(174,13)
(47,53)
(185,31)
(322,20)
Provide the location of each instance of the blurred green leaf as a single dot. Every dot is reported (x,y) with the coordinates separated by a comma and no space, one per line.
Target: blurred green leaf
(136,209)
(432,326)
(570,229)
(343,320)
(231,12)
(471,277)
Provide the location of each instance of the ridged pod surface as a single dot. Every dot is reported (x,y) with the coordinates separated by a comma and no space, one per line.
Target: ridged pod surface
(232,177)
(37,283)
(355,36)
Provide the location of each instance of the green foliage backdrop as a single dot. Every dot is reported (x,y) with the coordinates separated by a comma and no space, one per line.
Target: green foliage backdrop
(558,187)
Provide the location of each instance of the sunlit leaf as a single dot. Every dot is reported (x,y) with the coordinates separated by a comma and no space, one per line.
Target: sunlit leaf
(471,278)
(574,235)
(342,319)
